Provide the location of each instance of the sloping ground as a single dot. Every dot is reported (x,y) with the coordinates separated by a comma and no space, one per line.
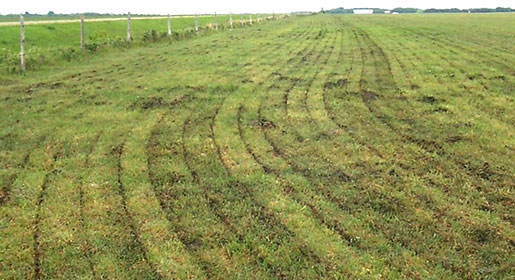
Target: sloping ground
(313,147)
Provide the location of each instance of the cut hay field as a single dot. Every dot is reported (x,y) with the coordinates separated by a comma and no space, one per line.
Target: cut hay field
(316,147)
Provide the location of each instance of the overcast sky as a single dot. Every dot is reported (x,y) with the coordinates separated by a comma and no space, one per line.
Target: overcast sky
(225,6)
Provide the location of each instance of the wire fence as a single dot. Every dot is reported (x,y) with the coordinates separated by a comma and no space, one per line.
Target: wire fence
(96,34)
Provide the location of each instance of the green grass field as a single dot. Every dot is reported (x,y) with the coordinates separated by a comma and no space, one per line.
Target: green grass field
(16,18)
(54,43)
(317,147)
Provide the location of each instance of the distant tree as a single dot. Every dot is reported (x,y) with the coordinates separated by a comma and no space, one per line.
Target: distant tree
(322,11)
(340,11)
(503,10)
(51,14)
(27,13)
(405,10)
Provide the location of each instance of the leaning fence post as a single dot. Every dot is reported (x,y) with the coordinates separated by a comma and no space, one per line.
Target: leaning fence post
(169,26)
(230,19)
(22,43)
(82,40)
(196,24)
(216,22)
(129,27)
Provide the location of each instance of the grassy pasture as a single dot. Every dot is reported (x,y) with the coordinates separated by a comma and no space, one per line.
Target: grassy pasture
(54,35)
(51,43)
(16,18)
(318,147)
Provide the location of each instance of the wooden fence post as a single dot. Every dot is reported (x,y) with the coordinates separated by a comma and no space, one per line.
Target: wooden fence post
(230,19)
(22,43)
(129,27)
(241,19)
(196,24)
(216,22)
(82,39)
(169,26)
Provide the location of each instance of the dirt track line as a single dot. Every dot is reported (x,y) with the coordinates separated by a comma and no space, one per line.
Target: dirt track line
(290,190)
(37,220)
(162,198)
(269,170)
(149,160)
(420,145)
(87,244)
(310,84)
(428,146)
(425,78)
(213,203)
(117,151)
(447,44)
(341,175)
(262,214)
(5,192)
(213,138)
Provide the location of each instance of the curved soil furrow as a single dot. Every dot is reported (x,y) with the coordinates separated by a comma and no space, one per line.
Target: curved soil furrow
(87,250)
(338,174)
(487,59)
(5,192)
(162,196)
(332,223)
(261,214)
(429,146)
(425,145)
(141,249)
(214,203)
(213,138)
(248,147)
(296,81)
(312,80)
(452,65)
(265,215)
(343,83)
(375,150)
(276,172)
(37,219)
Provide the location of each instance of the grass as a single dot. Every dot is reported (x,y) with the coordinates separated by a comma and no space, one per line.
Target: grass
(53,43)
(16,18)
(340,147)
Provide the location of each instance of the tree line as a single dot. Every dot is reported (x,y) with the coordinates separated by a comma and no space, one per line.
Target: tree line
(342,10)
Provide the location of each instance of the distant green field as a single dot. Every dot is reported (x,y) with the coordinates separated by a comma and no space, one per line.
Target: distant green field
(46,18)
(315,147)
(51,43)
(55,35)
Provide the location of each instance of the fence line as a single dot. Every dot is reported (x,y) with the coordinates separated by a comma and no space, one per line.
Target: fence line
(82,39)
(22,43)
(129,27)
(216,22)
(82,31)
(169,26)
